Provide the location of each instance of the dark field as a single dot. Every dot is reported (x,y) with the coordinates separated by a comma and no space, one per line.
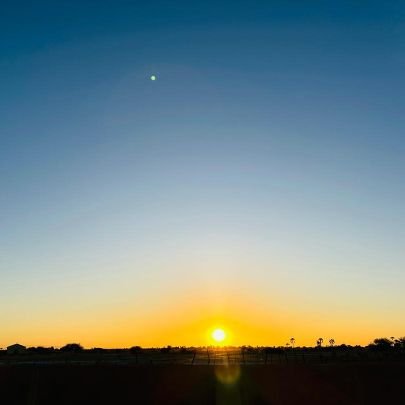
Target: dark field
(332,383)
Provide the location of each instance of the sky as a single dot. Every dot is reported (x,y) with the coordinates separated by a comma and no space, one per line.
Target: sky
(256,185)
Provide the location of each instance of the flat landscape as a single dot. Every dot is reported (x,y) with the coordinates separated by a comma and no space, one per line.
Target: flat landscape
(347,383)
(202,202)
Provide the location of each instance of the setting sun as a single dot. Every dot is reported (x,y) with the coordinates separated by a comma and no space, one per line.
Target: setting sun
(218,335)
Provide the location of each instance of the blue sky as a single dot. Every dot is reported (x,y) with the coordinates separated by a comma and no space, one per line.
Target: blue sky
(268,152)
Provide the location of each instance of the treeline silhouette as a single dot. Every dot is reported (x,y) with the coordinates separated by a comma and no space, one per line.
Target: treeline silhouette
(383,345)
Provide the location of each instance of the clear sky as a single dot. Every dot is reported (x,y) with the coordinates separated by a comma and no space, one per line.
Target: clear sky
(257,184)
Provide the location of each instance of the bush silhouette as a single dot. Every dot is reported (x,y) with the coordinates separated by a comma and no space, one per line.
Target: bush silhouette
(72,348)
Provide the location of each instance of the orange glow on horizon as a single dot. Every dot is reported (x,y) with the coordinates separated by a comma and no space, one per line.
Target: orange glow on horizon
(189,319)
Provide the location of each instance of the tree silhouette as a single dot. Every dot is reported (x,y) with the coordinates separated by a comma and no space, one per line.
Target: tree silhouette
(331,342)
(41,350)
(292,341)
(382,344)
(399,343)
(319,342)
(72,348)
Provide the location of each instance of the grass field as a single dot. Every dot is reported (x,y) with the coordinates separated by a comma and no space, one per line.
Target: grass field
(331,383)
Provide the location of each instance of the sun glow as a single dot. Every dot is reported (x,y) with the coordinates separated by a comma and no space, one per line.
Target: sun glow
(218,335)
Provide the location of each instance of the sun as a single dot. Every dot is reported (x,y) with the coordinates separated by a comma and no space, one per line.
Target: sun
(218,335)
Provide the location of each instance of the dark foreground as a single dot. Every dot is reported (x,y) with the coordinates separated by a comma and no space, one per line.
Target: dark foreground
(350,383)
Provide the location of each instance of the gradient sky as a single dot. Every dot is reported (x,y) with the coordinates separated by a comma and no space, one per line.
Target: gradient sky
(258,184)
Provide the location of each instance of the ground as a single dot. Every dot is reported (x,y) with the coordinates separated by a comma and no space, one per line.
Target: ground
(323,384)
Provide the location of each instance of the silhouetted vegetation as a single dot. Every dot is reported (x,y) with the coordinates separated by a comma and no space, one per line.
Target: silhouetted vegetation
(41,350)
(72,348)
(97,350)
(378,350)
(319,342)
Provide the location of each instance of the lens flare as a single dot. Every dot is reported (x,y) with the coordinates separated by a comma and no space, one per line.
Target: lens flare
(228,374)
